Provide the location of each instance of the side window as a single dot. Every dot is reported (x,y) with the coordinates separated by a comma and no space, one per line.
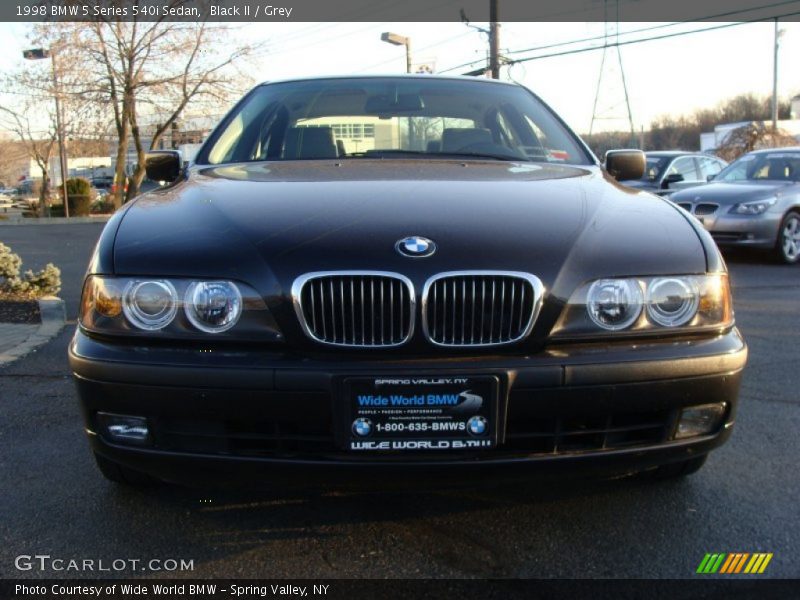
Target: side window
(709,166)
(684,166)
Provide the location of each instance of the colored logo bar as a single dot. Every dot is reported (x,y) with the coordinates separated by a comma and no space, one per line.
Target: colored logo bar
(734,563)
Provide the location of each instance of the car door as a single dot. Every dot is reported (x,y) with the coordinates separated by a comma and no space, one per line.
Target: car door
(709,167)
(681,174)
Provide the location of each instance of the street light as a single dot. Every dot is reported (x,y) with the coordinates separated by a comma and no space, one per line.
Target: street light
(38,54)
(399,40)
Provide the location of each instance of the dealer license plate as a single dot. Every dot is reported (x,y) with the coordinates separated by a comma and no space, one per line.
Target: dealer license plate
(391,414)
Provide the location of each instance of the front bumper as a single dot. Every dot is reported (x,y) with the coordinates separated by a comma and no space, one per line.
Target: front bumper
(728,230)
(229,414)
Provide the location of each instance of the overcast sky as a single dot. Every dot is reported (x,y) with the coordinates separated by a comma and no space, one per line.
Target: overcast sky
(670,76)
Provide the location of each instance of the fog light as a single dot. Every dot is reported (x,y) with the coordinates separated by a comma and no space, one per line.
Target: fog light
(124,428)
(700,420)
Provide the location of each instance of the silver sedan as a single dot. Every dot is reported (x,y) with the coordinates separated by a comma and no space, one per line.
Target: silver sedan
(754,203)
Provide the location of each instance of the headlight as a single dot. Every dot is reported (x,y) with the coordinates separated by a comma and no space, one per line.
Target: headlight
(753,208)
(213,306)
(150,304)
(614,304)
(672,301)
(647,305)
(175,308)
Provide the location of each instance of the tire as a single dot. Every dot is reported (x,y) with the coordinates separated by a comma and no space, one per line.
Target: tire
(787,248)
(678,469)
(123,475)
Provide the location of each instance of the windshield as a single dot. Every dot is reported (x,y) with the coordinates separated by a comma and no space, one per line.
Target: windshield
(654,168)
(391,118)
(777,166)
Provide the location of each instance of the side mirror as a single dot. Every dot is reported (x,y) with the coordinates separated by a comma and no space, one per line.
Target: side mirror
(672,178)
(625,164)
(163,165)
(710,177)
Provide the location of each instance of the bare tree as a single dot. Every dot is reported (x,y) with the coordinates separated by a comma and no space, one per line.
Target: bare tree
(753,136)
(30,110)
(39,144)
(669,132)
(146,74)
(13,158)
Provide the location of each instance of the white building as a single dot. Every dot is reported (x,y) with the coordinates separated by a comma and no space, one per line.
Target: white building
(714,139)
(82,166)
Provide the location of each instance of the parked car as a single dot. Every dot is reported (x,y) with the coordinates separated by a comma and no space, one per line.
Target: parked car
(470,294)
(753,203)
(669,171)
(102,182)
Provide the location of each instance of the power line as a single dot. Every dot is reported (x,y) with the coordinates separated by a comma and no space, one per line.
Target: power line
(649,39)
(640,30)
(428,47)
(655,27)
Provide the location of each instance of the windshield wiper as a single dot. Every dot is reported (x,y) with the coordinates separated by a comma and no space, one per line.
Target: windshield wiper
(394,153)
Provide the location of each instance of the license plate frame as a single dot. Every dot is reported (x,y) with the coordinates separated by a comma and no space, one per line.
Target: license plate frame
(410,414)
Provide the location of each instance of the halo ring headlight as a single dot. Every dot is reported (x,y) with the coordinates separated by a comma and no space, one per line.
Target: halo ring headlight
(213,306)
(614,304)
(150,304)
(672,301)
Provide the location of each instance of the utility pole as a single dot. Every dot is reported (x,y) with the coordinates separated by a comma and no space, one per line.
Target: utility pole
(494,40)
(60,133)
(775,78)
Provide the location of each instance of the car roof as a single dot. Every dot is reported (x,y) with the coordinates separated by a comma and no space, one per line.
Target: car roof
(786,149)
(674,153)
(397,76)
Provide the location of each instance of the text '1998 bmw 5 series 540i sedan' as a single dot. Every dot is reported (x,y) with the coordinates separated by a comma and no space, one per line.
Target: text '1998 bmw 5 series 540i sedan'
(402,276)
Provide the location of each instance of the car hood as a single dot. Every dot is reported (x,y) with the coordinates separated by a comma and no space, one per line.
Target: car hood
(267,223)
(730,193)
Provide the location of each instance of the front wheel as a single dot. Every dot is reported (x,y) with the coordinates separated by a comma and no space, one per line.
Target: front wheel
(787,248)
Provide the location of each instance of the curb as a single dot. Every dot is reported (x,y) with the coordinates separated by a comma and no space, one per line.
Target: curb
(54,316)
(54,220)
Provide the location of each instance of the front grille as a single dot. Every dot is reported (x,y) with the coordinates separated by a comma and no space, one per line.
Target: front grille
(561,435)
(276,437)
(705,209)
(312,436)
(355,308)
(480,308)
(685,206)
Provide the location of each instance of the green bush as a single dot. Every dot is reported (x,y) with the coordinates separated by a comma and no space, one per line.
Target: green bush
(46,282)
(79,192)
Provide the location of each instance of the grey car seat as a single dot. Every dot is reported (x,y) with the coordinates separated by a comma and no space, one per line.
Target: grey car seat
(309,142)
(455,139)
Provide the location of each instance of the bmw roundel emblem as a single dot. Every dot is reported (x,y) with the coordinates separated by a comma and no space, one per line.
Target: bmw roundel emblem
(477,425)
(362,427)
(415,246)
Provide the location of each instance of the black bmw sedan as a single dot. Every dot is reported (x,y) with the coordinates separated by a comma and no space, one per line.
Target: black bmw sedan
(402,275)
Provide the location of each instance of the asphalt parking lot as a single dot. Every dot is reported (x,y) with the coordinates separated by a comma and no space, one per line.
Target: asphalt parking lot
(744,500)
